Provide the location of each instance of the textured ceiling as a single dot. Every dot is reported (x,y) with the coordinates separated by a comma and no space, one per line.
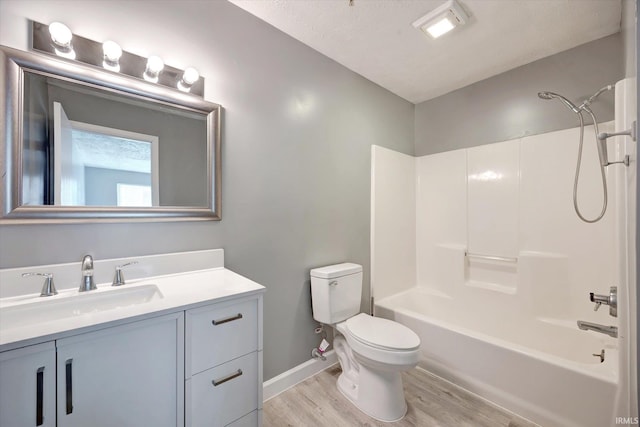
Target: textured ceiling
(375,38)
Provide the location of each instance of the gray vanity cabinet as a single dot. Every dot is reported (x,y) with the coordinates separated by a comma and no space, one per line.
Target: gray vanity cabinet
(201,367)
(223,384)
(126,376)
(28,386)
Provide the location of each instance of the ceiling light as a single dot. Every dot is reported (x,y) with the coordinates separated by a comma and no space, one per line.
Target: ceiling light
(61,37)
(112,53)
(442,19)
(189,77)
(154,66)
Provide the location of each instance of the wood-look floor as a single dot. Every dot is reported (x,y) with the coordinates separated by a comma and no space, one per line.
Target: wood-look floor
(431,401)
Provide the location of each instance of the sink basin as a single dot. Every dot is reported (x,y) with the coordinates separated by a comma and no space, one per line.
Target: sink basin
(48,309)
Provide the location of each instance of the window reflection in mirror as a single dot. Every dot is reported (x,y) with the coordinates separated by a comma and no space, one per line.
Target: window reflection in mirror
(85,146)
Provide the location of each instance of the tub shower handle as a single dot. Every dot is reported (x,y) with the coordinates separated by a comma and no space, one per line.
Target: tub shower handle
(611,300)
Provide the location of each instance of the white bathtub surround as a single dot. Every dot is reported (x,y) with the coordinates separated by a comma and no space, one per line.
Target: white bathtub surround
(493,175)
(625,245)
(514,307)
(393,215)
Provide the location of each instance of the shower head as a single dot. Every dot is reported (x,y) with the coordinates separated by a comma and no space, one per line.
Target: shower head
(552,95)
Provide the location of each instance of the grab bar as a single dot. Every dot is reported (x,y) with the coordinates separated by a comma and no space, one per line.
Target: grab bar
(491,257)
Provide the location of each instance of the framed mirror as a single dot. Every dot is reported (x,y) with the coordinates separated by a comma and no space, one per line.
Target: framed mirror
(85,144)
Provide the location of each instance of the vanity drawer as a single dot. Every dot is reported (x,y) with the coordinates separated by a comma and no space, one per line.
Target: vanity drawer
(218,396)
(220,333)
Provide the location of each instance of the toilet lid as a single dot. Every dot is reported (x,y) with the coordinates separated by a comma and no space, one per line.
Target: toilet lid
(382,333)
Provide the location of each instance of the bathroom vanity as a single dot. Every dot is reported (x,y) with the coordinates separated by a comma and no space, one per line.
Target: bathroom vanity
(176,349)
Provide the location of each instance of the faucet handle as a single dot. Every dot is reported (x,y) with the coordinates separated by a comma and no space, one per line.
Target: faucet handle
(118,279)
(48,287)
(592,299)
(611,300)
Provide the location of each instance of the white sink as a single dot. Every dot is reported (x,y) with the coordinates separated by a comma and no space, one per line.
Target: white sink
(68,305)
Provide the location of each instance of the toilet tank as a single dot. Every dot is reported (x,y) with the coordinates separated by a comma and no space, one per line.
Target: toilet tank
(336,291)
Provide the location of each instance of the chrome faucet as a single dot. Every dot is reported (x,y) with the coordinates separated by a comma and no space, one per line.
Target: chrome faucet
(87,283)
(611,300)
(588,326)
(118,279)
(48,288)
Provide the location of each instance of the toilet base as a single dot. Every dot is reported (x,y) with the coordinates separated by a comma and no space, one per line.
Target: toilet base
(376,392)
(378,395)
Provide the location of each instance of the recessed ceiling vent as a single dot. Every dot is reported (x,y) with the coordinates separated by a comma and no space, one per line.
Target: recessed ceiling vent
(442,19)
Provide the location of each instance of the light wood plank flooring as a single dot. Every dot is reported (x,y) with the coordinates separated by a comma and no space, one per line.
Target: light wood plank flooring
(316,402)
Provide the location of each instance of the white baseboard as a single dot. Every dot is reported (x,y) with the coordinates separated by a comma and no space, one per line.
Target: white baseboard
(288,379)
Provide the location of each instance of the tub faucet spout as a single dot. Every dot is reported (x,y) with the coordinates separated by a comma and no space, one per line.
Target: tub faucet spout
(588,326)
(87,283)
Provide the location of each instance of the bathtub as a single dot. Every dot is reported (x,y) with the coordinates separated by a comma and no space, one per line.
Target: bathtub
(540,368)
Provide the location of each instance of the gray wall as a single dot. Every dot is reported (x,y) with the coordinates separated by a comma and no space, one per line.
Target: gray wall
(297,132)
(629,37)
(507,106)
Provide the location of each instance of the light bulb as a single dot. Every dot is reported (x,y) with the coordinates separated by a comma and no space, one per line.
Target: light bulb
(154,66)
(61,37)
(112,53)
(60,34)
(189,77)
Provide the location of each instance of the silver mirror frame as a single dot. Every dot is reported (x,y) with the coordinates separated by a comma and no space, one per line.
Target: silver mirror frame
(13,64)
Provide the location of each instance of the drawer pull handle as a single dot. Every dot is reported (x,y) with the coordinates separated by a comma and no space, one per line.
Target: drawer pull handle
(236,374)
(227,319)
(39,396)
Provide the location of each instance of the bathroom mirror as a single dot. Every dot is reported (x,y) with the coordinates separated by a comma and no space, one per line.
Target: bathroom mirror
(85,144)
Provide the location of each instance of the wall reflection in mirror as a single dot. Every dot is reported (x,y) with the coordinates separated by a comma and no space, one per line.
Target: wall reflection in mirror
(86,146)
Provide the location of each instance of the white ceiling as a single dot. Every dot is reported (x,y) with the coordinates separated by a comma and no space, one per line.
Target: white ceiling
(375,38)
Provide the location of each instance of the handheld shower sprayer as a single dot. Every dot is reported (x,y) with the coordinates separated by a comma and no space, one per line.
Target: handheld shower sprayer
(603,155)
(601,141)
(553,95)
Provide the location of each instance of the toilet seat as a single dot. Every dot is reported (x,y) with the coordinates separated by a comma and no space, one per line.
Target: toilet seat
(382,333)
(372,338)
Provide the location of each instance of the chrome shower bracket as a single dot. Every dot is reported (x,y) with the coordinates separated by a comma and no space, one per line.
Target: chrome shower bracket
(632,132)
(629,132)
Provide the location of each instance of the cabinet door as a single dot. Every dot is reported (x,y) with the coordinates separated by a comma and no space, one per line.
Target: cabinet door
(27,386)
(129,375)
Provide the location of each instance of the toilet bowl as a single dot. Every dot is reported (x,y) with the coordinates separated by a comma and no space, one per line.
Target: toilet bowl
(372,351)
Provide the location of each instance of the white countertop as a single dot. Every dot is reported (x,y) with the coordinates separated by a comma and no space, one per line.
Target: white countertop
(179,291)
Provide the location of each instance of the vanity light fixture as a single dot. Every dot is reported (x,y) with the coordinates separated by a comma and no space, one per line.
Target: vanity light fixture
(56,39)
(61,37)
(189,77)
(112,53)
(155,64)
(442,19)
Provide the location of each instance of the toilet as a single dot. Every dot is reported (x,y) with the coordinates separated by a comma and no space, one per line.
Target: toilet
(372,351)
